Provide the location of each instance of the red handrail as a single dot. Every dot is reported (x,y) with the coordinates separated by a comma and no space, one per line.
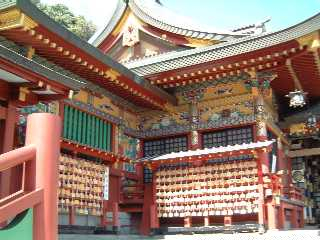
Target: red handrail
(40,175)
(17,156)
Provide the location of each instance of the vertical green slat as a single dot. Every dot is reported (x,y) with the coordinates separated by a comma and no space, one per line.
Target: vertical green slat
(108,137)
(89,130)
(70,125)
(84,128)
(96,142)
(80,126)
(93,140)
(93,130)
(104,136)
(75,125)
(65,121)
(100,133)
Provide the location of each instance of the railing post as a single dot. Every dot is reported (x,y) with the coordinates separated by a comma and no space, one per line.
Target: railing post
(43,131)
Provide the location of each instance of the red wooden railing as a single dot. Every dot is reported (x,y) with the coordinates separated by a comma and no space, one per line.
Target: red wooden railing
(40,176)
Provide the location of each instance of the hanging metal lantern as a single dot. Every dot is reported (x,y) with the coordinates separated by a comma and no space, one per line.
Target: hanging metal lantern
(311,121)
(297,98)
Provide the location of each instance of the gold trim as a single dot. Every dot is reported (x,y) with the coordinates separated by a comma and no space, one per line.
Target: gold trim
(23,92)
(112,74)
(121,23)
(14,18)
(311,40)
(193,42)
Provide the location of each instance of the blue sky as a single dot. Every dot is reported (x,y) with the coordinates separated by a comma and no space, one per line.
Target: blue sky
(227,14)
(222,14)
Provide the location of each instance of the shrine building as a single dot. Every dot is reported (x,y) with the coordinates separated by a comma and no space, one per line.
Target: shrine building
(168,126)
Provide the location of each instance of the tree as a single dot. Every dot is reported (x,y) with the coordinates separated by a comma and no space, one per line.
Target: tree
(62,15)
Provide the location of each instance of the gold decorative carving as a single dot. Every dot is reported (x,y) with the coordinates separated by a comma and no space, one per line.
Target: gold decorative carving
(298,129)
(14,18)
(261,128)
(311,40)
(23,92)
(112,74)
(30,52)
(194,137)
(200,42)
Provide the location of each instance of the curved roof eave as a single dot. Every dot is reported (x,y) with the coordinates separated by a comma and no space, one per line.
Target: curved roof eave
(175,60)
(103,33)
(183,28)
(160,17)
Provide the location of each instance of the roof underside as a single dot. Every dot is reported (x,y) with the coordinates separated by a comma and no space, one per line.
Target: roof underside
(63,48)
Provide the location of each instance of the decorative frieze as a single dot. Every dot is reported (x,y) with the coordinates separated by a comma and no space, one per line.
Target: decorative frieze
(178,129)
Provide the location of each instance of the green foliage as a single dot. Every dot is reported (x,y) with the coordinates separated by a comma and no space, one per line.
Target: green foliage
(62,15)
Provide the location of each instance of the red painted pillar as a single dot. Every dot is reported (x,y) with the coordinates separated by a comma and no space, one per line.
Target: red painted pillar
(8,180)
(301,217)
(263,168)
(272,221)
(206,221)
(294,218)
(72,215)
(115,217)
(187,222)
(154,220)
(261,213)
(103,222)
(281,217)
(154,223)
(43,131)
(227,220)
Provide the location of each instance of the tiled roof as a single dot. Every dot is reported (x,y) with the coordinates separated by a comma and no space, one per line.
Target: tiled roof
(175,60)
(214,150)
(37,68)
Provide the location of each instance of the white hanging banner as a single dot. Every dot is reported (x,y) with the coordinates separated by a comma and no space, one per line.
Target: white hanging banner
(106,184)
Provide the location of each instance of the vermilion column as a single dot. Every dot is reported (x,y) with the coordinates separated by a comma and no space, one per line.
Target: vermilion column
(43,131)
(301,217)
(294,218)
(206,221)
(8,141)
(72,215)
(263,168)
(154,220)
(272,222)
(115,217)
(187,222)
(281,216)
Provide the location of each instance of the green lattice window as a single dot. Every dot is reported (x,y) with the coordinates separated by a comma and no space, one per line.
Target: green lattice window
(87,129)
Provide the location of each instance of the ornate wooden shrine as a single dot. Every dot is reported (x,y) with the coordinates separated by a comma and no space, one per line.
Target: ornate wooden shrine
(167,126)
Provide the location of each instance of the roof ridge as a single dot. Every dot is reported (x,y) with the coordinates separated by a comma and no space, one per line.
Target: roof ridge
(141,11)
(174,56)
(190,29)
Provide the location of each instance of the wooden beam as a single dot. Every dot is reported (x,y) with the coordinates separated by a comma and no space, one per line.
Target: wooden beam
(293,74)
